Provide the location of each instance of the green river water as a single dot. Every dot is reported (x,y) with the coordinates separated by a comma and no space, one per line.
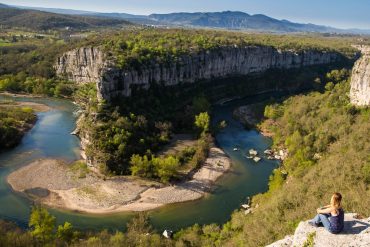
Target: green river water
(50,138)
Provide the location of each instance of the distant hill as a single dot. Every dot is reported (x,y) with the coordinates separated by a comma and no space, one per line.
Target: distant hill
(83,12)
(3,6)
(225,20)
(139,19)
(238,20)
(40,20)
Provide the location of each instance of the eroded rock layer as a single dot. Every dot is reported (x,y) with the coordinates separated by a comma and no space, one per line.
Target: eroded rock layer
(92,65)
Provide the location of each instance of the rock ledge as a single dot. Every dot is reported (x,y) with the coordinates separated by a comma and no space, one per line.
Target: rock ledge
(356,233)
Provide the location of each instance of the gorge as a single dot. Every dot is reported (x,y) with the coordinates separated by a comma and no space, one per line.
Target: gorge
(144,87)
(95,65)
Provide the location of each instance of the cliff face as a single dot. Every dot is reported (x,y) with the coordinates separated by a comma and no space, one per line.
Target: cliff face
(360,81)
(90,65)
(82,65)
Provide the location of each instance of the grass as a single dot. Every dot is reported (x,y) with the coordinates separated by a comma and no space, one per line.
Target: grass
(4,43)
(310,241)
(80,169)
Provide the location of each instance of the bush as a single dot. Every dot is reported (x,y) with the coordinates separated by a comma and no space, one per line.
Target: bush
(163,168)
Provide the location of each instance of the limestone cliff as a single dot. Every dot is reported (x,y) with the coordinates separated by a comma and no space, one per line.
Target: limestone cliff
(356,233)
(360,82)
(86,64)
(93,65)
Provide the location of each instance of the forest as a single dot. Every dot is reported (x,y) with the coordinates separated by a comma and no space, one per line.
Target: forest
(132,49)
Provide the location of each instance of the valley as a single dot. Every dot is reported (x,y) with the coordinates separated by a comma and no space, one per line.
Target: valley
(113,131)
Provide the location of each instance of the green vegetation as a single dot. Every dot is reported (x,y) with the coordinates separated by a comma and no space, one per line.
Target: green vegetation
(32,54)
(42,224)
(310,242)
(168,168)
(43,232)
(202,122)
(40,20)
(132,128)
(155,167)
(34,85)
(14,122)
(327,139)
(80,168)
(134,48)
(26,65)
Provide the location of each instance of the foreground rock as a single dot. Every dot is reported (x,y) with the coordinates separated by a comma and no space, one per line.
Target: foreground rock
(360,81)
(92,64)
(55,184)
(356,233)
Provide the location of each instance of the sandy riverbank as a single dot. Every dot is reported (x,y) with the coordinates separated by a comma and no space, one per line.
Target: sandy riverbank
(21,95)
(53,183)
(37,107)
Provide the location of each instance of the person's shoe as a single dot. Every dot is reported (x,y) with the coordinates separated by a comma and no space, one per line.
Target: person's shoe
(311,223)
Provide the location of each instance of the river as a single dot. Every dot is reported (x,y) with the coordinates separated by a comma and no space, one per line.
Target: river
(50,138)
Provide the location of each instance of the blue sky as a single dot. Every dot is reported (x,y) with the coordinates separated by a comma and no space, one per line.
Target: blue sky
(337,13)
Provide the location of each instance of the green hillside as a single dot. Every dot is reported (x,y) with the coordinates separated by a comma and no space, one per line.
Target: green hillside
(39,20)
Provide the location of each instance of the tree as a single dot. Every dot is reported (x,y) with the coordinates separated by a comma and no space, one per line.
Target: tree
(42,224)
(166,168)
(202,121)
(139,224)
(65,232)
(141,166)
(117,240)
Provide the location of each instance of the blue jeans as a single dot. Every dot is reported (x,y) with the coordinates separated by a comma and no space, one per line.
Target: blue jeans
(324,220)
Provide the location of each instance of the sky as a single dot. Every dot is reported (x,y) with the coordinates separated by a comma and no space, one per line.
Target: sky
(335,13)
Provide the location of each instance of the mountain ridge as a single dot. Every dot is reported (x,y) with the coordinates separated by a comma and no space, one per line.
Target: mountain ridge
(239,20)
(236,20)
(41,20)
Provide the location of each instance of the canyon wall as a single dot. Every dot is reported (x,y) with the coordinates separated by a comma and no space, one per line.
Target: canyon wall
(91,64)
(360,81)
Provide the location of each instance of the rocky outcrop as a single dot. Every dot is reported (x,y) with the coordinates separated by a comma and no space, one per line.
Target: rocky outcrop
(92,65)
(356,233)
(86,64)
(360,81)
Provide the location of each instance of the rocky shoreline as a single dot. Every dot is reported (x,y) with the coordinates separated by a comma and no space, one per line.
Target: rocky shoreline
(53,183)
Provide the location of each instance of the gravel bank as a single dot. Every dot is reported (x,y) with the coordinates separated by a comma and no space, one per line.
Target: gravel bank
(93,194)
